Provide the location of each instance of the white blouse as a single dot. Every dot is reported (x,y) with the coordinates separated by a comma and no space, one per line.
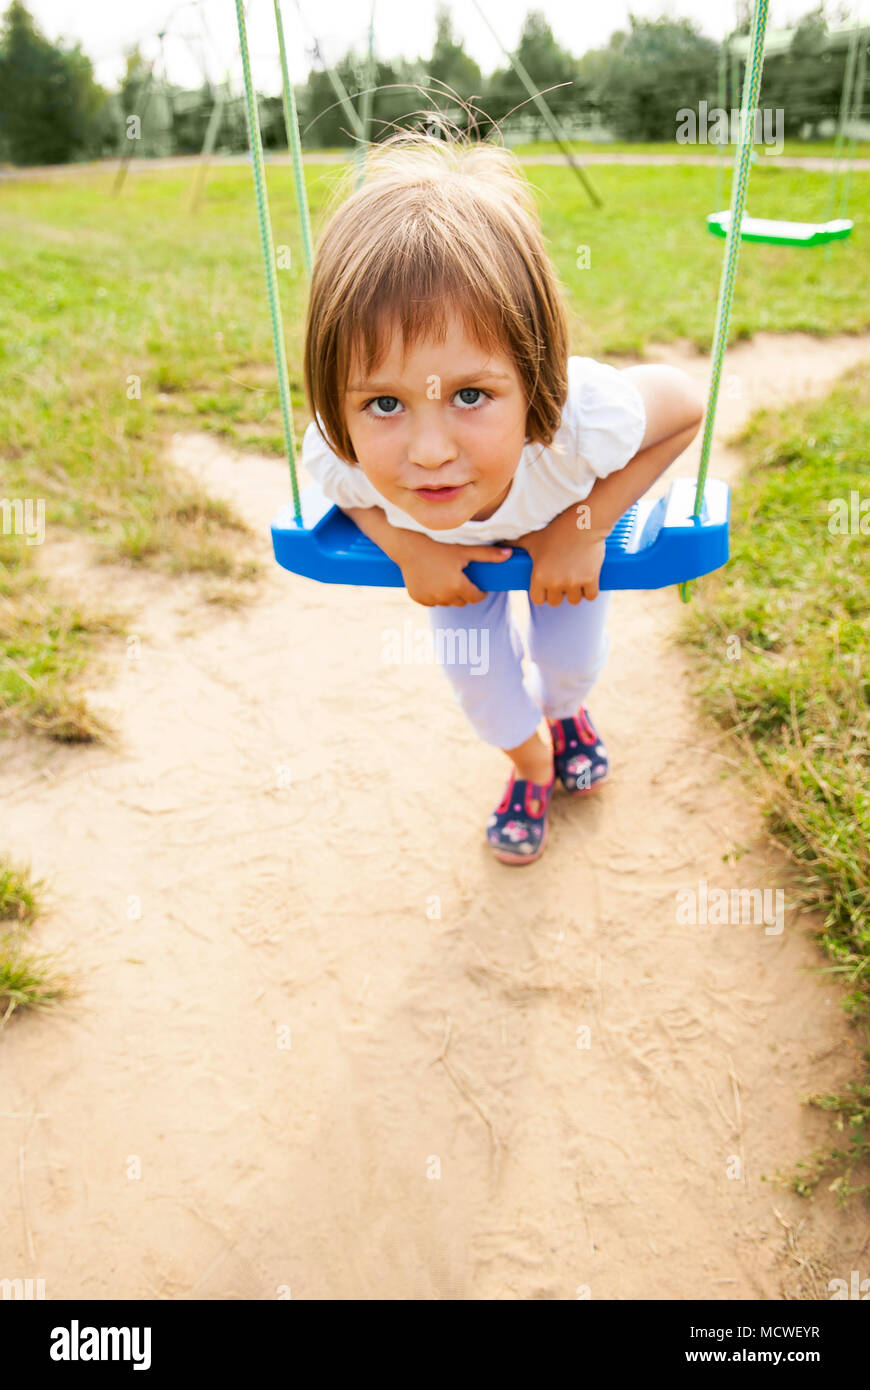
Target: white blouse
(603,424)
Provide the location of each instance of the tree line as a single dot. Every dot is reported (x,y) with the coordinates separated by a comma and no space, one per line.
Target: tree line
(53,111)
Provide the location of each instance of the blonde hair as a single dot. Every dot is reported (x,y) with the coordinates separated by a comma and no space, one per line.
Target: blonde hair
(437,225)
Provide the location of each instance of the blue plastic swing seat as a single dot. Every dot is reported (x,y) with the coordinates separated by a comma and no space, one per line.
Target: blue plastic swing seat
(655,544)
(781,233)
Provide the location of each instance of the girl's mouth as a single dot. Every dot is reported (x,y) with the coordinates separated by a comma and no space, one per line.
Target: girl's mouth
(439,494)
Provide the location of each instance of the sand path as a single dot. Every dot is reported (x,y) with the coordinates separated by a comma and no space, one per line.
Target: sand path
(336,1052)
(38,173)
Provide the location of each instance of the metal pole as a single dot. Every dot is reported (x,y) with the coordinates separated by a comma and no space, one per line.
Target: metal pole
(544,110)
(367,101)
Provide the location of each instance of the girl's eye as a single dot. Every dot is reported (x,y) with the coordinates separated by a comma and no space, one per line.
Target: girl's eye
(386,405)
(383,407)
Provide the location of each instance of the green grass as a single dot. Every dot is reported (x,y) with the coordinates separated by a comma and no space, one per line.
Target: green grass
(797,700)
(26,981)
(791,149)
(805,149)
(655,268)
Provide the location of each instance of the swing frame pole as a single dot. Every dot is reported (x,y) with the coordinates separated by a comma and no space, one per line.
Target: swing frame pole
(208,144)
(143,96)
(366,113)
(545,111)
(337,85)
(255,141)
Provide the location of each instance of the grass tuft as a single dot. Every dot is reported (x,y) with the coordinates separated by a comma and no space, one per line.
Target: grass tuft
(19,893)
(26,981)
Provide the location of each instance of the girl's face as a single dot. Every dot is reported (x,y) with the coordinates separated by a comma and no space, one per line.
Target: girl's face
(440,433)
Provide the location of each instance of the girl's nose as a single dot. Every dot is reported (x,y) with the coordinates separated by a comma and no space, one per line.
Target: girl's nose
(430,446)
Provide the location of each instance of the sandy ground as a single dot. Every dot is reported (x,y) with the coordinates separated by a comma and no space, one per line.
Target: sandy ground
(324,1044)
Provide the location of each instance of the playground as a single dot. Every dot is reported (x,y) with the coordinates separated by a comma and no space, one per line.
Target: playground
(309,1039)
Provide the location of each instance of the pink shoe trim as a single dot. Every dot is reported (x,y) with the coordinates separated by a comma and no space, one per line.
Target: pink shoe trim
(506,799)
(587,732)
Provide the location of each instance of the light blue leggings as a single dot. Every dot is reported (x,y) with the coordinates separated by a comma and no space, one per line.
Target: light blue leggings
(481,651)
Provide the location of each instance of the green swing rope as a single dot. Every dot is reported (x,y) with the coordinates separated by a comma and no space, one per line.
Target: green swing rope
(857,108)
(256,146)
(291,126)
(722,99)
(739,183)
(843,117)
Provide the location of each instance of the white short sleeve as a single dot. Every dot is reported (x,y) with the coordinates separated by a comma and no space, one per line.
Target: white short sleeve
(345,484)
(604,413)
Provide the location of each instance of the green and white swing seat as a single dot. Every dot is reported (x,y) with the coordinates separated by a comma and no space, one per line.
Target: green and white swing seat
(778,233)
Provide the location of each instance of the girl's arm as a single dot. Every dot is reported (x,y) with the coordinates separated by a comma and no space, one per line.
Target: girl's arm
(674,406)
(393,540)
(611,497)
(567,554)
(433,571)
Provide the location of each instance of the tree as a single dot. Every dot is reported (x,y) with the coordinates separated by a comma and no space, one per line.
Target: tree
(328,124)
(549,66)
(450,66)
(397,98)
(650,73)
(49,101)
(806,82)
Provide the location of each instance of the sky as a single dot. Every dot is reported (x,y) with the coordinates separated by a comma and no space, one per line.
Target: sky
(201,39)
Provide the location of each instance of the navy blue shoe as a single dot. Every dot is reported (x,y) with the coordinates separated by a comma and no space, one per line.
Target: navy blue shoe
(579,756)
(515,834)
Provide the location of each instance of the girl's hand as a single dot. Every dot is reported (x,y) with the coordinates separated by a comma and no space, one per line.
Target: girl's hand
(565,564)
(433,573)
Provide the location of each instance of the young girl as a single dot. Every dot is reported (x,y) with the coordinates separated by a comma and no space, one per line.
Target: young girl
(450,423)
